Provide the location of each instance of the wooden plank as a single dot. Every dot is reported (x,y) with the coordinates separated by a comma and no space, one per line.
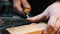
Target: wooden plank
(27,28)
(36,32)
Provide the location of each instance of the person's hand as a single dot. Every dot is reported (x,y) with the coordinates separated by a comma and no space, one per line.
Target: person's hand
(58,32)
(53,13)
(20,5)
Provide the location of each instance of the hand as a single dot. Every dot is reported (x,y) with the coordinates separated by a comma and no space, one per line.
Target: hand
(58,32)
(53,13)
(18,5)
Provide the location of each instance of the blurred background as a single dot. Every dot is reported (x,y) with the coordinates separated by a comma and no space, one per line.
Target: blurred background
(6,10)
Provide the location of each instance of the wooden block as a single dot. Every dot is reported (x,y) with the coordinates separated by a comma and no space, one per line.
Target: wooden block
(36,32)
(28,29)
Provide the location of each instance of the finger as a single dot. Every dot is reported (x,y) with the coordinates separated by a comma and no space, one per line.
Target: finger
(58,32)
(39,17)
(53,22)
(17,5)
(26,4)
(48,30)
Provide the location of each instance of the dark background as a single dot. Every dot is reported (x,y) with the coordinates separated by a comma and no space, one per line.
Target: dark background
(38,6)
(58,0)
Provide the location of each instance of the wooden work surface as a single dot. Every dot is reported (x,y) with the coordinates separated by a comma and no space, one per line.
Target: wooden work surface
(26,29)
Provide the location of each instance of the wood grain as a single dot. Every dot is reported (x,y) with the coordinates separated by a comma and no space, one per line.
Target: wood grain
(27,28)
